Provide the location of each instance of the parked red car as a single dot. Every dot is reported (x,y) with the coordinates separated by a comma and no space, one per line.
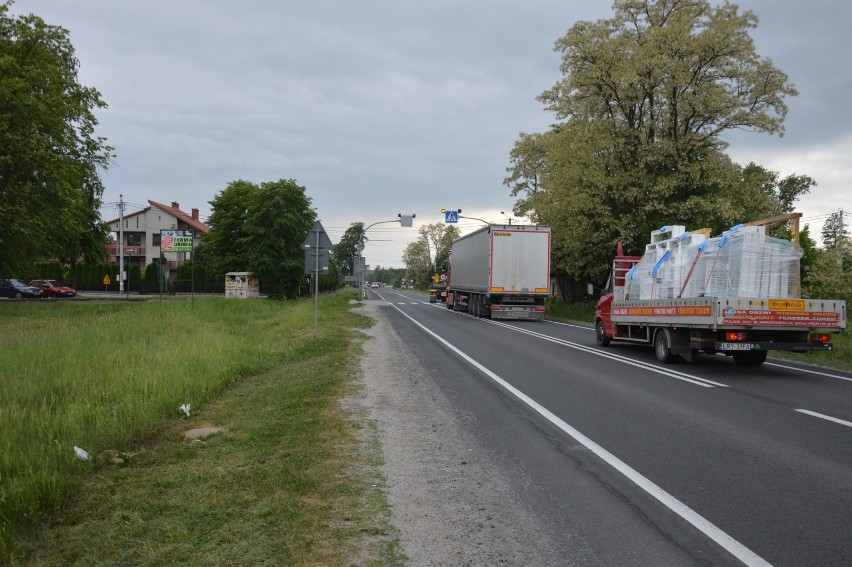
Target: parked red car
(53,288)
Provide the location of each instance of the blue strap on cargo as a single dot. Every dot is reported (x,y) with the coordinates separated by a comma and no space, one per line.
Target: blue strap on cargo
(722,242)
(668,253)
(662,261)
(692,267)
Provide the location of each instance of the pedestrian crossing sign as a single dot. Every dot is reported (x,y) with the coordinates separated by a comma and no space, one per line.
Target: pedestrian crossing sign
(451,216)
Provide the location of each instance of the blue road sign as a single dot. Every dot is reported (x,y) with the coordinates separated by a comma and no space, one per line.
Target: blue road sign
(451,216)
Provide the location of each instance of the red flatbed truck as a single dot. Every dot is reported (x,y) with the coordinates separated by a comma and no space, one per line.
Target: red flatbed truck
(744,326)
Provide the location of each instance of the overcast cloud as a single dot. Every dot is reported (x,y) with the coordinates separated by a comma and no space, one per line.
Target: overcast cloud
(380,108)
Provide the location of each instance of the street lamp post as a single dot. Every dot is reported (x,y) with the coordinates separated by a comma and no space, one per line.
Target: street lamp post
(406,221)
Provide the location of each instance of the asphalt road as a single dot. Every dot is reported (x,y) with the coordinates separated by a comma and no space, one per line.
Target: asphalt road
(643,463)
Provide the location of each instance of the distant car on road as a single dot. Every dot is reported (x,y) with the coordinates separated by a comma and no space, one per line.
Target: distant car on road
(16,289)
(53,288)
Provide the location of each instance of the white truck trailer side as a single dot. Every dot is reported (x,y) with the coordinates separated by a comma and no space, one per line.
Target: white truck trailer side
(501,272)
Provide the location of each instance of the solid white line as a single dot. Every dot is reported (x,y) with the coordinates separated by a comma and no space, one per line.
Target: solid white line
(809,371)
(826,417)
(692,379)
(848,379)
(569,324)
(706,527)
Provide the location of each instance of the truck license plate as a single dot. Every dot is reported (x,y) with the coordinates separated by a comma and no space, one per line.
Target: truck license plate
(735,346)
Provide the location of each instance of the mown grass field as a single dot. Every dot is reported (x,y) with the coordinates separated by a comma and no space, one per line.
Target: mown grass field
(292,478)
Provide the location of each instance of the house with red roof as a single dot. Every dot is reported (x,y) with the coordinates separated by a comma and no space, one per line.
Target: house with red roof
(140,234)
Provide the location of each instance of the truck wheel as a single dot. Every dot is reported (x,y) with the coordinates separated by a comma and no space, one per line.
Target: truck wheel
(750,357)
(663,346)
(600,334)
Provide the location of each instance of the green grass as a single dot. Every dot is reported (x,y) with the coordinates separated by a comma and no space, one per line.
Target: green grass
(582,311)
(290,480)
(840,357)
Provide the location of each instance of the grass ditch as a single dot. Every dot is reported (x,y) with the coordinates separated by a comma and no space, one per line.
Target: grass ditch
(291,478)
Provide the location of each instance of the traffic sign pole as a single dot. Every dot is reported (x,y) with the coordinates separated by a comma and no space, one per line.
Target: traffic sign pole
(316,246)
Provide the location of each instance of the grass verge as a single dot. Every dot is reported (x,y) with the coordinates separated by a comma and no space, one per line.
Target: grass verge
(288,480)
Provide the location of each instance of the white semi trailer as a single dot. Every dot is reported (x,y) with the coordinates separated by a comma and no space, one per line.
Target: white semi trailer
(501,272)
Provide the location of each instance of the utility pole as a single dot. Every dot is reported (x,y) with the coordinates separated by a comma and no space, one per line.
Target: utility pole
(121,243)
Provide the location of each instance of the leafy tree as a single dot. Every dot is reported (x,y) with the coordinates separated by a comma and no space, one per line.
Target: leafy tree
(810,253)
(343,255)
(831,275)
(279,219)
(50,188)
(643,102)
(418,264)
(224,246)
(775,196)
(260,228)
(834,230)
(438,239)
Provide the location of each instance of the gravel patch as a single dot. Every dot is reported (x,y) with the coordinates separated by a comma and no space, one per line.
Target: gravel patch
(449,502)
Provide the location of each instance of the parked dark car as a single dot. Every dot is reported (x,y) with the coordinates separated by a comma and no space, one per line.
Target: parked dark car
(16,288)
(53,288)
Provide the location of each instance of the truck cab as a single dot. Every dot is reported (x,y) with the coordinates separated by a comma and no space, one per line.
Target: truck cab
(614,289)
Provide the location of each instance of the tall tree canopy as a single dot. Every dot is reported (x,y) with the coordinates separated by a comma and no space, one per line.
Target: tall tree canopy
(50,158)
(261,228)
(439,240)
(418,266)
(430,252)
(352,241)
(835,229)
(643,102)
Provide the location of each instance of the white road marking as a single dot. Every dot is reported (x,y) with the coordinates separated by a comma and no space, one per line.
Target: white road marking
(826,417)
(706,527)
(796,368)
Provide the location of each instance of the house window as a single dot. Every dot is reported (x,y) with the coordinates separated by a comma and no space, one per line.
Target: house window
(134,240)
(155,239)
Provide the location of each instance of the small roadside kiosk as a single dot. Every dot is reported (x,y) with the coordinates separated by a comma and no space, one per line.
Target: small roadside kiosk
(241,285)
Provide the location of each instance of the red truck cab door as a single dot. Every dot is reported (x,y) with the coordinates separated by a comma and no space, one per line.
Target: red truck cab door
(617,280)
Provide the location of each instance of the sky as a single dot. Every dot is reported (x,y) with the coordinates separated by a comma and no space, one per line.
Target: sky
(381,108)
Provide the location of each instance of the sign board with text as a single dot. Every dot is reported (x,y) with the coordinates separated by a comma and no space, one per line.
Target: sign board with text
(176,240)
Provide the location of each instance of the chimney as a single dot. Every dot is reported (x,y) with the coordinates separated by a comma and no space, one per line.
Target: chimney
(194,214)
(175,205)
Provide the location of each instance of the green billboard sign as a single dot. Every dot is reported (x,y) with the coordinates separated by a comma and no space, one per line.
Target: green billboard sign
(176,240)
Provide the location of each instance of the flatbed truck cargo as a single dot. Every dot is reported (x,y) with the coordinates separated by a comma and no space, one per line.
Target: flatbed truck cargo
(737,294)
(501,272)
